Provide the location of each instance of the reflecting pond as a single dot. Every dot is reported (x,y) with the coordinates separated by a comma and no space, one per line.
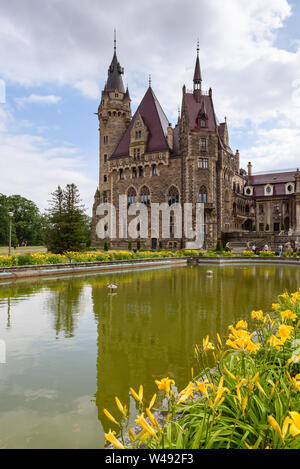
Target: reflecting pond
(71,346)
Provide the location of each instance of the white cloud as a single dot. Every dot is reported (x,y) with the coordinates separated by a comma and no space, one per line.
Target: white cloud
(37,99)
(33,166)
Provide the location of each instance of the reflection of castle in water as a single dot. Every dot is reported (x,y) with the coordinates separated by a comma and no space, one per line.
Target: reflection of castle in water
(157,317)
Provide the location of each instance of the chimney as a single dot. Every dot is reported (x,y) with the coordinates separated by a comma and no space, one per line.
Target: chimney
(249,169)
(170,136)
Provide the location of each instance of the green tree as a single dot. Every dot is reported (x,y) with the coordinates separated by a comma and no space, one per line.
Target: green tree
(67,221)
(27,220)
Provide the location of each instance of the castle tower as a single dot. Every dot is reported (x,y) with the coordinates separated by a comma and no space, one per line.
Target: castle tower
(114,114)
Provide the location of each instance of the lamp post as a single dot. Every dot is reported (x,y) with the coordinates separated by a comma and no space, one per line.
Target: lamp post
(10,214)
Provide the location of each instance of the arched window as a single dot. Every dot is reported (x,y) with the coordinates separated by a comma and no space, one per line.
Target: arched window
(145,195)
(227,200)
(173,195)
(131,196)
(203,195)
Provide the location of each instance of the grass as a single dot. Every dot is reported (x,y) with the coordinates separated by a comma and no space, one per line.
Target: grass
(248,399)
(22,250)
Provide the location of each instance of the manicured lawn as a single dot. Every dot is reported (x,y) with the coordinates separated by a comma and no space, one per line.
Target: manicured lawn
(22,250)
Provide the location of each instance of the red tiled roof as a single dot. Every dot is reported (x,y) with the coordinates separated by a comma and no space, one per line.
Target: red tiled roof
(156,122)
(194,108)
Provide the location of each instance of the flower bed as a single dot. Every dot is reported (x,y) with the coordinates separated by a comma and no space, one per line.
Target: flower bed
(88,256)
(249,399)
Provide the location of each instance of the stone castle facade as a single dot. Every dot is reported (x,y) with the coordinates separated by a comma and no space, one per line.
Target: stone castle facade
(147,159)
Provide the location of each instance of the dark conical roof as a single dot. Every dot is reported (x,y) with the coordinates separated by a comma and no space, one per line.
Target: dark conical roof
(115,72)
(197,74)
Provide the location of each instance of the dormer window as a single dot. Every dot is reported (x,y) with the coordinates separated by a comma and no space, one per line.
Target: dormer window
(138,134)
(268,190)
(290,188)
(202,123)
(248,190)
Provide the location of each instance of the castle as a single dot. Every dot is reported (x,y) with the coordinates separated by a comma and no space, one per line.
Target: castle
(149,161)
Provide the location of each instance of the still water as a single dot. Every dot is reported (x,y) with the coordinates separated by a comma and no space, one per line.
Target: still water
(71,347)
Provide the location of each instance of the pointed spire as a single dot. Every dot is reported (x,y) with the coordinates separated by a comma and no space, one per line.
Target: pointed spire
(127,95)
(115,71)
(197,76)
(149,81)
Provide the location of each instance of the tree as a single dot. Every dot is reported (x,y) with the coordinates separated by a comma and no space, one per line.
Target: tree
(27,220)
(67,221)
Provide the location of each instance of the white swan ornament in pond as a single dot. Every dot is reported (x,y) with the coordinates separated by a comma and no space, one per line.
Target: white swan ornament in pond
(112,287)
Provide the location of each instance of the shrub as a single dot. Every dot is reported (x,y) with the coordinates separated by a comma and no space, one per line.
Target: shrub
(219,246)
(248,254)
(267,254)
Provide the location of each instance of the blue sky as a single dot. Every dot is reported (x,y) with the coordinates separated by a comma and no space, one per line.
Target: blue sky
(55,56)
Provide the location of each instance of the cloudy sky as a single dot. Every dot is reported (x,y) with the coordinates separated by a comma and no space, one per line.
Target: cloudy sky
(54,60)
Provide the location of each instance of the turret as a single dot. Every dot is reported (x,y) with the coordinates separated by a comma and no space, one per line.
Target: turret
(114,114)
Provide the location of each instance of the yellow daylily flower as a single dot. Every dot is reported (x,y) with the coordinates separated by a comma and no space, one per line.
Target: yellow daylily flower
(143,422)
(113,440)
(275,425)
(186,393)
(258,315)
(165,385)
(152,418)
(242,325)
(141,392)
(275,342)
(135,395)
(152,401)
(229,374)
(121,408)
(295,424)
(203,387)
(110,417)
(288,314)
(207,345)
(284,332)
